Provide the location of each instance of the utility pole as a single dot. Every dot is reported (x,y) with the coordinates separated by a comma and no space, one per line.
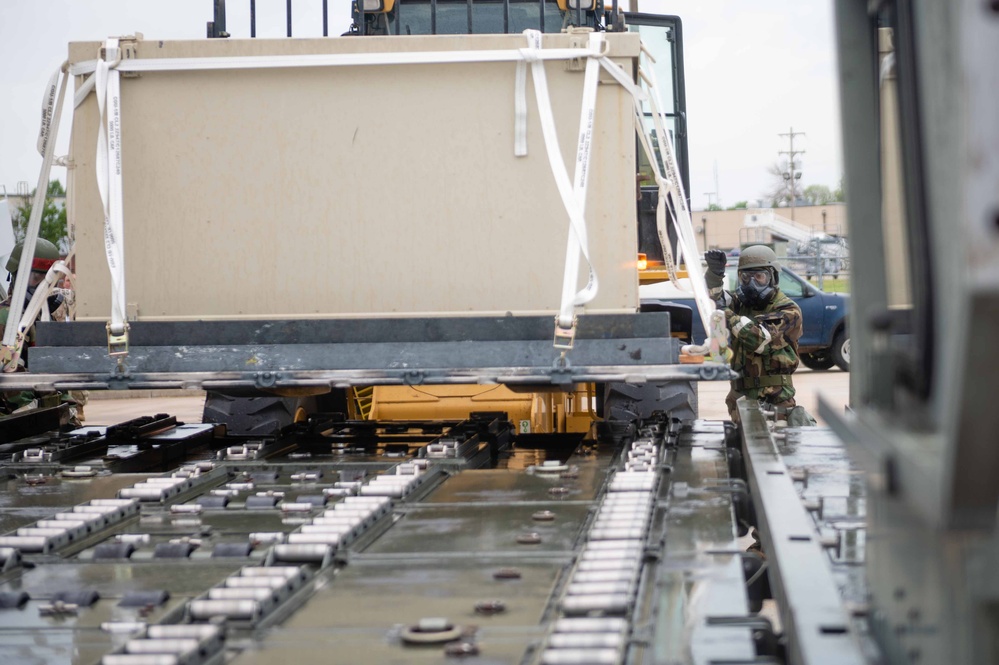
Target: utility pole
(791,174)
(717,188)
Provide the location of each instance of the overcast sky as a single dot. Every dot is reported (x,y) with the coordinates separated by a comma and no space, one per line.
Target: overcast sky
(754,70)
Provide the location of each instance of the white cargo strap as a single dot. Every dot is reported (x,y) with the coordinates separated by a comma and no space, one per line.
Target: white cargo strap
(46,143)
(84,90)
(520,84)
(329,60)
(48,110)
(578,242)
(669,185)
(107,85)
(671,196)
(37,305)
(573,194)
(661,205)
(574,201)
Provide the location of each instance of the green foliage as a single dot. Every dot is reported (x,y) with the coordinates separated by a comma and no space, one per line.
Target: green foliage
(818,195)
(835,285)
(740,205)
(713,207)
(53,227)
(839,192)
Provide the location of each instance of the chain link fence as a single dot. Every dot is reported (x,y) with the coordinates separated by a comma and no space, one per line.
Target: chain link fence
(829,273)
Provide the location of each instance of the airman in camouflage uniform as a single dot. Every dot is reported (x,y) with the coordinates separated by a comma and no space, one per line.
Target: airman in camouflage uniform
(46,254)
(765,326)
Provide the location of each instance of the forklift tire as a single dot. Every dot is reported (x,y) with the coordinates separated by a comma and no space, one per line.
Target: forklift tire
(626,401)
(255,416)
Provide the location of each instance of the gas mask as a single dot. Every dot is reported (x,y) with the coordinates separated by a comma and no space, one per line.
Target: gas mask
(34,279)
(756,287)
(54,300)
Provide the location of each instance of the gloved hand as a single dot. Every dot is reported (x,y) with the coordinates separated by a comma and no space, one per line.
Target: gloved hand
(54,301)
(716,260)
(723,300)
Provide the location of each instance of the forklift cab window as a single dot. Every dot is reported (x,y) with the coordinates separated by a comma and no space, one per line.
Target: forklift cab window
(663,37)
(454,18)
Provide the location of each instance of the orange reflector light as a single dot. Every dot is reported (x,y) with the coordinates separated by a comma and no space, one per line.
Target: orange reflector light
(643,263)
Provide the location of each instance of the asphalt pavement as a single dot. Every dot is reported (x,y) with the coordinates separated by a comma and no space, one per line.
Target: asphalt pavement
(832,384)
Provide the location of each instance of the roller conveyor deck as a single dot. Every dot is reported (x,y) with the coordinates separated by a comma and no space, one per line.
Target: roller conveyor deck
(613,549)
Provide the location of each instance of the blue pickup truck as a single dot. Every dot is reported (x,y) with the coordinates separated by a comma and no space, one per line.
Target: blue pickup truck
(825,338)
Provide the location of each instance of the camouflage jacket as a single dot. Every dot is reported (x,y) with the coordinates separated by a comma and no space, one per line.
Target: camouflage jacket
(12,400)
(765,347)
(764,344)
(61,313)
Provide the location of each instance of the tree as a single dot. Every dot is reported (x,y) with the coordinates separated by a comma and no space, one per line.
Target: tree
(740,205)
(838,193)
(713,207)
(779,193)
(53,227)
(818,195)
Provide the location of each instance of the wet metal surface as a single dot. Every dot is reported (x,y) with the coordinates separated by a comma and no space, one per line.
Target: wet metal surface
(359,616)
(833,490)
(699,575)
(820,628)
(26,637)
(22,503)
(365,571)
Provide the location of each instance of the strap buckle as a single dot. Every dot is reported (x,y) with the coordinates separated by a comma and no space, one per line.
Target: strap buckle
(117,342)
(565,337)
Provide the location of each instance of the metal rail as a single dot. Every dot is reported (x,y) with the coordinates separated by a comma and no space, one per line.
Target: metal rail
(356,352)
(218,380)
(815,622)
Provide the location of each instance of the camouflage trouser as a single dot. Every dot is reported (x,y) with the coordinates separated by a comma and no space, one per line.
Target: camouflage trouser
(16,401)
(12,400)
(80,398)
(795,415)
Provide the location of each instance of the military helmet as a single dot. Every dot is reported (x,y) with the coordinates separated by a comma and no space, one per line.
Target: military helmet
(758,256)
(45,255)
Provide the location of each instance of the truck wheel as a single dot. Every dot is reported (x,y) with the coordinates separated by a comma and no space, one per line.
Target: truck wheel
(255,416)
(818,361)
(841,350)
(625,401)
